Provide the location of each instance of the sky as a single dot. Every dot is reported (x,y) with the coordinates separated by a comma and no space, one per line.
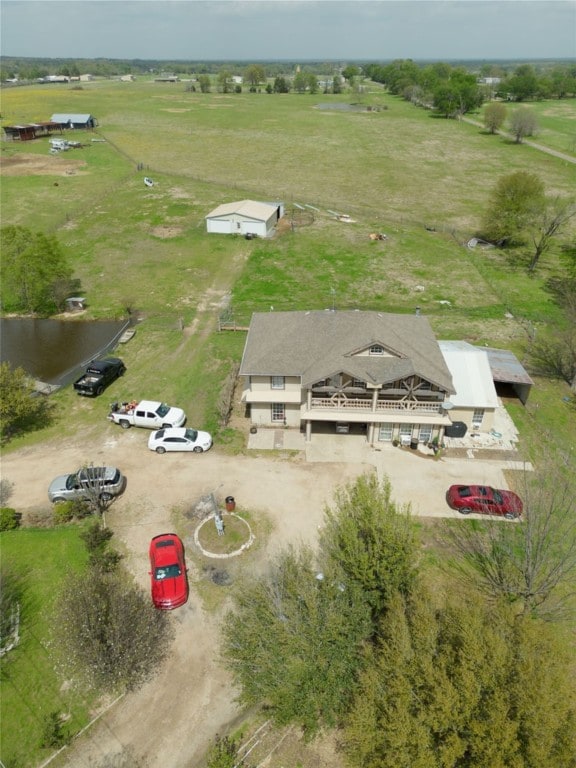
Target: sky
(265,30)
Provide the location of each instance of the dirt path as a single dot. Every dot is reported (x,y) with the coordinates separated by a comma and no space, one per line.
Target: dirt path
(539,147)
(172,720)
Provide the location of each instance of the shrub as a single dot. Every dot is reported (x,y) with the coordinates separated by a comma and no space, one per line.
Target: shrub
(74,509)
(9,519)
(52,733)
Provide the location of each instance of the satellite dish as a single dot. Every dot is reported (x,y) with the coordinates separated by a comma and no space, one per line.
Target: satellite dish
(447,405)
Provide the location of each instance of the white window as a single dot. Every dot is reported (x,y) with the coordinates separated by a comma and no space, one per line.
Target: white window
(376,349)
(277,382)
(278,413)
(425,433)
(477,417)
(385,433)
(406,430)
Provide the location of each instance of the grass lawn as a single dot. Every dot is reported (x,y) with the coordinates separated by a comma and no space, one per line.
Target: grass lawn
(32,686)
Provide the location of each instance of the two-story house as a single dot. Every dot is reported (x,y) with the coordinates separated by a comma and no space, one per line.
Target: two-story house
(380,373)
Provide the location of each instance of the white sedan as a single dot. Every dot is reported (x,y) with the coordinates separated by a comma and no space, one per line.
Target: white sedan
(179,439)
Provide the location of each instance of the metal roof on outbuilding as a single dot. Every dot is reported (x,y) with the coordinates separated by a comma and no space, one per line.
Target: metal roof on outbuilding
(248,208)
(65,117)
(507,369)
(471,374)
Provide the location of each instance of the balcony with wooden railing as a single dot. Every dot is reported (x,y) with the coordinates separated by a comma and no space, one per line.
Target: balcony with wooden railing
(364,405)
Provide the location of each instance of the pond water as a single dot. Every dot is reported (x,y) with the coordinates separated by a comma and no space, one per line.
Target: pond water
(56,351)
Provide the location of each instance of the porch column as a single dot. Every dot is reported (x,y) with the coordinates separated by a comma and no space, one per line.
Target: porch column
(370,434)
(308,399)
(374,400)
(308,431)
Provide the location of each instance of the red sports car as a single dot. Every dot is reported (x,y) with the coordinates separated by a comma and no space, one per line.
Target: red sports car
(168,574)
(482,498)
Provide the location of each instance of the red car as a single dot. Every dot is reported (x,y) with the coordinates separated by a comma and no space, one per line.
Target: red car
(482,498)
(168,574)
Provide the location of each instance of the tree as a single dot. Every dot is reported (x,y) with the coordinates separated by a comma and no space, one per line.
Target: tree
(108,632)
(461,686)
(548,225)
(523,84)
(514,202)
(523,123)
(204,83)
(300,82)
(554,354)
(33,269)
(350,73)
(224,754)
(494,116)
(20,409)
(312,82)
(294,641)
(224,81)
(281,85)
(530,564)
(254,74)
(371,540)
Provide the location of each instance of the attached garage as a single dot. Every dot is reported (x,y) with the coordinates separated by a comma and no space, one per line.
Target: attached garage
(246,217)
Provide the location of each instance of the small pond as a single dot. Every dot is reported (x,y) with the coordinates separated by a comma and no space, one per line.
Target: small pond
(55,351)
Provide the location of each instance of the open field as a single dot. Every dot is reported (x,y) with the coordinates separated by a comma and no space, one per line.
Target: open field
(397,171)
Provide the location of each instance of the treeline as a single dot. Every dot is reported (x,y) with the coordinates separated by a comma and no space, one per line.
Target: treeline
(420,81)
(525,82)
(34,68)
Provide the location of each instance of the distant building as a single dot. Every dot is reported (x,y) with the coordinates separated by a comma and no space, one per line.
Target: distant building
(29,131)
(166,77)
(245,217)
(71,120)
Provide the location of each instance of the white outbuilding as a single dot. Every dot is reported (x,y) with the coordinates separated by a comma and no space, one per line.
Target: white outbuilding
(245,217)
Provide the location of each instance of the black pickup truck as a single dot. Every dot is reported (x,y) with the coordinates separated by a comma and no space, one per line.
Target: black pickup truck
(98,375)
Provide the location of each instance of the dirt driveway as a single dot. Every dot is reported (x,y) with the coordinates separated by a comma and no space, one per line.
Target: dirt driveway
(172,720)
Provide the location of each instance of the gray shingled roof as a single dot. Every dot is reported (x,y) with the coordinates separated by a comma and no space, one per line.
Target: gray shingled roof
(318,344)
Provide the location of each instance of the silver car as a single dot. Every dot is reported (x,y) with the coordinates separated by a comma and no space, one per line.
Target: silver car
(87,483)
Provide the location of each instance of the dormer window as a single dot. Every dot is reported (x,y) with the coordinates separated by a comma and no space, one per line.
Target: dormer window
(277,382)
(376,349)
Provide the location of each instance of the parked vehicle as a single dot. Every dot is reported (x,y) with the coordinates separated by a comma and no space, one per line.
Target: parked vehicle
(484,499)
(86,483)
(150,414)
(99,374)
(169,584)
(179,440)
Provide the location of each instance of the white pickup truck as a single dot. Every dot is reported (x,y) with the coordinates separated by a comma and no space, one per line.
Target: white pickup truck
(146,413)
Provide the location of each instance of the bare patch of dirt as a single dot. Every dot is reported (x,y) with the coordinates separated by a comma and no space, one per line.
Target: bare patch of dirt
(40,165)
(166,232)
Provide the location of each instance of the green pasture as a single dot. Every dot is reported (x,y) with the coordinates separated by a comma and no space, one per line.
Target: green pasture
(422,180)
(557,124)
(32,686)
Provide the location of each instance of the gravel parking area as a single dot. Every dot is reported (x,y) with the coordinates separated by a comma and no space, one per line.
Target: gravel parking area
(282,479)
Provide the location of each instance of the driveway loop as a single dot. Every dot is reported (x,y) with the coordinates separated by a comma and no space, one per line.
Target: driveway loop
(236,552)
